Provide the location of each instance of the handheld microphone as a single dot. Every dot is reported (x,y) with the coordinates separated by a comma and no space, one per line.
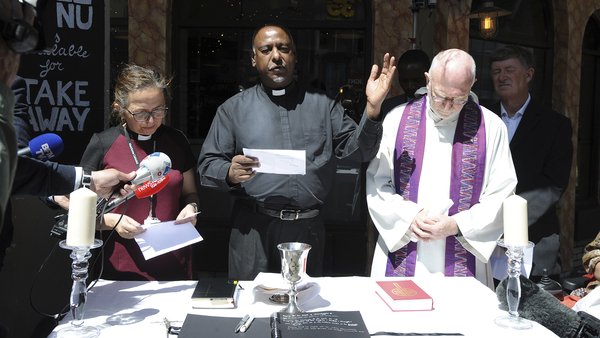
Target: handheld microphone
(150,178)
(152,168)
(147,189)
(43,147)
(541,306)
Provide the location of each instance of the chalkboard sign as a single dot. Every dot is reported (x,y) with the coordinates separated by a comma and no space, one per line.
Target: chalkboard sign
(67,87)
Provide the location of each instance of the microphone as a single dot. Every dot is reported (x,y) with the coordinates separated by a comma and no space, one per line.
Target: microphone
(152,168)
(541,306)
(147,189)
(43,147)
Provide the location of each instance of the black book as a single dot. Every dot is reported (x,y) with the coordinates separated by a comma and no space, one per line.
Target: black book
(215,293)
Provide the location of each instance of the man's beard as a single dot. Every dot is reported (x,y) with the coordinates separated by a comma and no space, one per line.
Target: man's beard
(279,79)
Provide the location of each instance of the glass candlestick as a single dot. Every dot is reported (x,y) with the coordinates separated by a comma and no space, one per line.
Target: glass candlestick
(80,256)
(513,288)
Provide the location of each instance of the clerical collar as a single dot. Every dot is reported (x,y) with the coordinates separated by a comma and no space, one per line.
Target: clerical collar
(279,91)
(141,137)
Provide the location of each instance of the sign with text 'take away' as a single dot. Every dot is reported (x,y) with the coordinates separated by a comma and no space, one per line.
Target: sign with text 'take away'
(67,86)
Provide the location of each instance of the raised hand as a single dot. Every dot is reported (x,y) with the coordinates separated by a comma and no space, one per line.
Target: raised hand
(378,87)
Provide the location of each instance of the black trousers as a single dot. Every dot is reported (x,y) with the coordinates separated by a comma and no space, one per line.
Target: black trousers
(255,236)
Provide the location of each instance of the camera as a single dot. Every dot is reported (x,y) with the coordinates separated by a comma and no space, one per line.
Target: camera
(20,36)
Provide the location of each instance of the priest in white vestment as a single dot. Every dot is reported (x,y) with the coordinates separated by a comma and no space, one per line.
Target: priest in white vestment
(423,174)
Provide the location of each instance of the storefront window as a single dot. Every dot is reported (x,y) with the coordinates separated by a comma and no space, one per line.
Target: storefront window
(212,45)
(218,67)
(529,25)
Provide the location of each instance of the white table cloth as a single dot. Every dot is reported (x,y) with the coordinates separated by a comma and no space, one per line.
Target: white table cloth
(461,305)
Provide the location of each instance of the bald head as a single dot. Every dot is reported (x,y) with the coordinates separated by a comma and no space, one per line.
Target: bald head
(451,76)
(454,66)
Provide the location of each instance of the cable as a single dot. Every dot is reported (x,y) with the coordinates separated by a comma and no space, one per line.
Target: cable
(104,243)
(60,315)
(33,283)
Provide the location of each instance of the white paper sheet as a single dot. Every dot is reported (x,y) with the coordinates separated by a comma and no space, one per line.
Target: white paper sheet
(279,161)
(164,237)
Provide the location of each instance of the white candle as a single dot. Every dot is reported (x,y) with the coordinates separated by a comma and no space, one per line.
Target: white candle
(515,221)
(82,217)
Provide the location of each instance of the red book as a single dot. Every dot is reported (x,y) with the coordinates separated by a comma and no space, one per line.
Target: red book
(404,295)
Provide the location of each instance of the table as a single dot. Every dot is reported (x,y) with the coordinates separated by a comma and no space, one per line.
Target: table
(461,304)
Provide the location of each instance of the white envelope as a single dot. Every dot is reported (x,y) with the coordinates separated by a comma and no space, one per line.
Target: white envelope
(279,161)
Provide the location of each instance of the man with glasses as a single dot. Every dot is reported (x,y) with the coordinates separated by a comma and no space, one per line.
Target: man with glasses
(436,187)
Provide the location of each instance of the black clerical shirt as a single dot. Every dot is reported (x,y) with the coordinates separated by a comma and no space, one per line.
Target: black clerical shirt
(297,118)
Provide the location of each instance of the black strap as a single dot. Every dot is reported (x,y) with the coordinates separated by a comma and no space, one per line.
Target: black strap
(135,158)
(137,161)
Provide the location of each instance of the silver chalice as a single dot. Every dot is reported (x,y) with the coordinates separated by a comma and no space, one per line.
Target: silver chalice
(293,269)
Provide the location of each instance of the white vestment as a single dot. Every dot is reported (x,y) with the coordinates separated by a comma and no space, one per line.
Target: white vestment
(481,225)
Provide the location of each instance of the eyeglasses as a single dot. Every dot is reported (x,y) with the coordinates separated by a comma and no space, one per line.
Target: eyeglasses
(144,115)
(443,100)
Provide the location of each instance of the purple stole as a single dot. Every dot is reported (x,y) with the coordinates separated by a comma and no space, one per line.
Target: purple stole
(468,167)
